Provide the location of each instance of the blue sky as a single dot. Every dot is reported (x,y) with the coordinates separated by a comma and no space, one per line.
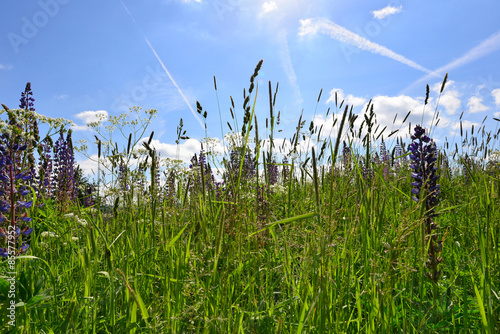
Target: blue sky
(84,57)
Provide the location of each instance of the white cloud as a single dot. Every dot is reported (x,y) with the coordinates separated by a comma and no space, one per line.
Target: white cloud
(324,26)
(89,166)
(349,99)
(465,125)
(386,11)
(267,7)
(5,67)
(496,95)
(186,149)
(450,98)
(386,108)
(450,101)
(475,104)
(497,114)
(92,116)
(75,127)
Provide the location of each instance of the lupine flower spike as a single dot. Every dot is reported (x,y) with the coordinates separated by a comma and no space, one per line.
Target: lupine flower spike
(13,187)
(423,156)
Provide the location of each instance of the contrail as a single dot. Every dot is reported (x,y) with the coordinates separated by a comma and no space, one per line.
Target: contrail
(484,48)
(286,62)
(322,25)
(163,66)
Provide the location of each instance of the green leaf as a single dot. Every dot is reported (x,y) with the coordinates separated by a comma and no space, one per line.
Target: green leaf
(285,221)
(480,304)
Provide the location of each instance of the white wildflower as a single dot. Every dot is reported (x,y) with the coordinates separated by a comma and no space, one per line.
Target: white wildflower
(49,234)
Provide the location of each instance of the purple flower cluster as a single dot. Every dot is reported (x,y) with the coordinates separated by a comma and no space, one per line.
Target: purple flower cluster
(248,170)
(346,158)
(31,127)
(64,163)
(467,165)
(122,177)
(384,159)
(170,190)
(13,215)
(200,162)
(87,200)
(423,156)
(398,157)
(272,172)
(425,188)
(27,98)
(286,169)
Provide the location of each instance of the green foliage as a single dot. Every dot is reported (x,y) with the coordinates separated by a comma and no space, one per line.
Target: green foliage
(324,250)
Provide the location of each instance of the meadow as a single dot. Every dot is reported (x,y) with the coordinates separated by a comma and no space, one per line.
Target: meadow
(320,233)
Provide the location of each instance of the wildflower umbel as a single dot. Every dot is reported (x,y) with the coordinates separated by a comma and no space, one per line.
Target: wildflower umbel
(423,156)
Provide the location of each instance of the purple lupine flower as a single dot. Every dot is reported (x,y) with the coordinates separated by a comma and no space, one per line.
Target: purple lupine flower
(465,168)
(219,190)
(13,183)
(384,159)
(286,169)
(64,162)
(122,177)
(27,98)
(31,126)
(446,166)
(272,172)
(398,157)
(248,170)
(200,163)
(248,166)
(423,156)
(87,200)
(424,168)
(138,177)
(170,186)
(346,158)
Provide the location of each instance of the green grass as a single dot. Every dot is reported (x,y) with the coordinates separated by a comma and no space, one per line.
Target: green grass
(325,252)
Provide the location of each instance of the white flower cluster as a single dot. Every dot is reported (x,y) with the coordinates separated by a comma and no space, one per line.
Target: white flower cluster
(72,217)
(278,188)
(49,234)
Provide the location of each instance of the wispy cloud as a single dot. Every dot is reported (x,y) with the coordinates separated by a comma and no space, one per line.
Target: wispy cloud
(484,48)
(61,97)
(325,26)
(5,67)
(386,11)
(496,95)
(476,104)
(286,62)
